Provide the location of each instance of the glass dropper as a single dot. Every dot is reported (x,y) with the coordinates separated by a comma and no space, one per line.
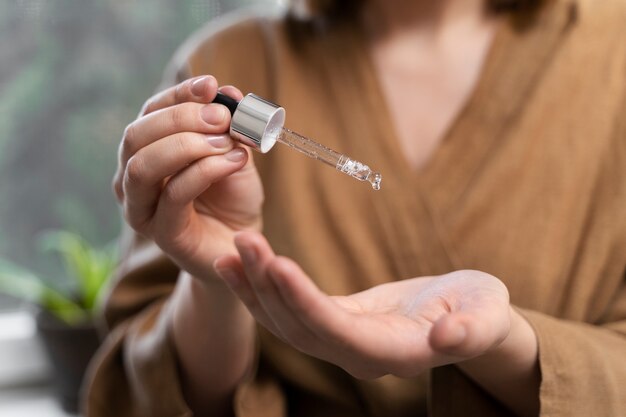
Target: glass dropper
(336,160)
(258,123)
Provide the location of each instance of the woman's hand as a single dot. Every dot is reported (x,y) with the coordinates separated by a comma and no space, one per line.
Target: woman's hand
(401,328)
(184,183)
(181,179)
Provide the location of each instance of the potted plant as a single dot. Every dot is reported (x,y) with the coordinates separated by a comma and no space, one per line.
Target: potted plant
(65,318)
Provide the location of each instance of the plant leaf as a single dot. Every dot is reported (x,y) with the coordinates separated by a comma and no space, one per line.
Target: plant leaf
(20,283)
(90,267)
(76,258)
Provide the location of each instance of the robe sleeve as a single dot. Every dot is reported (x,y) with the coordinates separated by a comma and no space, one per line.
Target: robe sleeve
(583,364)
(135,372)
(583,367)
(582,361)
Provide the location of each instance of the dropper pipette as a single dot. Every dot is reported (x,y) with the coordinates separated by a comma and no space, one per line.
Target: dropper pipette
(258,123)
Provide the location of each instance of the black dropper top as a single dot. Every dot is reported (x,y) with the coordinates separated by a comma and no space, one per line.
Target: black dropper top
(227,101)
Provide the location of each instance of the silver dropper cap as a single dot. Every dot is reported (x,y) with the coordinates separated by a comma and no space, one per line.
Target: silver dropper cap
(257,123)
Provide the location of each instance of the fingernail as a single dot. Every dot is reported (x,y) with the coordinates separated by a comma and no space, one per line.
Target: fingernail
(220,141)
(236,155)
(228,275)
(198,87)
(248,254)
(213,113)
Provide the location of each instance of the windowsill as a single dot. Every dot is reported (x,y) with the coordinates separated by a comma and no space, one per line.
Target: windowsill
(27,401)
(25,390)
(22,360)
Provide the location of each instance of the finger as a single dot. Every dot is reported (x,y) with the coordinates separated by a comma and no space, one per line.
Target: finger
(174,208)
(169,155)
(186,117)
(135,135)
(479,320)
(232,92)
(470,332)
(230,269)
(256,254)
(148,168)
(335,335)
(201,89)
(323,317)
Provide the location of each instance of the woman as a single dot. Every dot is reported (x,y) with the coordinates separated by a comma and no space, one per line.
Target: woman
(500,135)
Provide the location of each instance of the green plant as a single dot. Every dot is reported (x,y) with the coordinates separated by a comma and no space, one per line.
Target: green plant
(88,267)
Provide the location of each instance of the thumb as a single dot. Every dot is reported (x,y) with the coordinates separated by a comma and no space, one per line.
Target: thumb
(469,333)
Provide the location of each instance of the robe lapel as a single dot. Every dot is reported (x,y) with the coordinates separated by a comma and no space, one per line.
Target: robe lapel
(411,205)
(410,241)
(515,64)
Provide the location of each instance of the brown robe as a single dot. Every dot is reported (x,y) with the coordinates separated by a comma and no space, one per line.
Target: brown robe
(529,185)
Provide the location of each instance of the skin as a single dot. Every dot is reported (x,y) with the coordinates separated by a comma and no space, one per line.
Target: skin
(428,57)
(186,185)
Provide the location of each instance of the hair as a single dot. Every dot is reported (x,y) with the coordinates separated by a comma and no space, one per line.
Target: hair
(347,8)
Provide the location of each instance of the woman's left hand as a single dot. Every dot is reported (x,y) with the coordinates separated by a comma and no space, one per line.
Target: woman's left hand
(401,328)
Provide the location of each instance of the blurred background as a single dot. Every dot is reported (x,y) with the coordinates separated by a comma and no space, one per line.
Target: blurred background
(73,74)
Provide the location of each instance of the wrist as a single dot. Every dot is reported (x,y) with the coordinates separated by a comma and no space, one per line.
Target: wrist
(510,371)
(214,340)
(199,290)
(520,345)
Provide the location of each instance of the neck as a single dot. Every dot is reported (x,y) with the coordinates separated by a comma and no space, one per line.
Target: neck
(387,18)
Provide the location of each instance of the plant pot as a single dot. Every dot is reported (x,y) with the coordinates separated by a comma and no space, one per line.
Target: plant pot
(69,349)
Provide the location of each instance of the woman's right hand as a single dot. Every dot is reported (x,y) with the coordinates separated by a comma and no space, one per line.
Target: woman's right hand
(182,181)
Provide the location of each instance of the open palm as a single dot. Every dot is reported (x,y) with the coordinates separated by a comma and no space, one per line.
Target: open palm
(400,328)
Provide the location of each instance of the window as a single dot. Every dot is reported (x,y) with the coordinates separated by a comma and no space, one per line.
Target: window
(73,74)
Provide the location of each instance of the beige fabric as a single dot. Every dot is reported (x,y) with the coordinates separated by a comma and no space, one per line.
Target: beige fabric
(528,185)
